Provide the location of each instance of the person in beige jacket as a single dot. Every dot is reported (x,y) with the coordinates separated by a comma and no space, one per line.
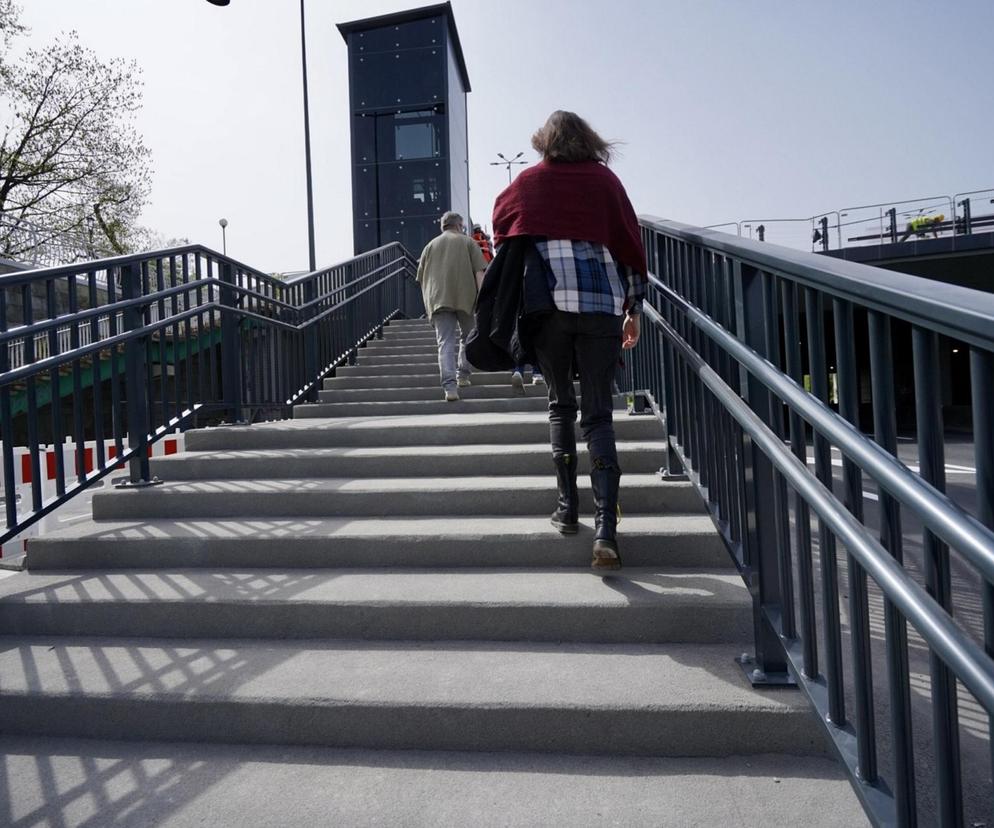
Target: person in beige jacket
(449,272)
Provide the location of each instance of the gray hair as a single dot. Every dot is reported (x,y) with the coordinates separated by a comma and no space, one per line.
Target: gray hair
(450,219)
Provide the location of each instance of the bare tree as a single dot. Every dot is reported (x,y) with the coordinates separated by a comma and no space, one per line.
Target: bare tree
(73,169)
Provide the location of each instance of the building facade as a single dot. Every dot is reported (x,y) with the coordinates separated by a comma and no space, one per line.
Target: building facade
(407,99)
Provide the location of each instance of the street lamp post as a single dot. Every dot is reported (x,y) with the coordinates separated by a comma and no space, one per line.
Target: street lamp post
(504,162)
(224,240)
(307,137)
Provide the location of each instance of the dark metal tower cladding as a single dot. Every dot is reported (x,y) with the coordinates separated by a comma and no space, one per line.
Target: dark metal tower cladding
(407,99)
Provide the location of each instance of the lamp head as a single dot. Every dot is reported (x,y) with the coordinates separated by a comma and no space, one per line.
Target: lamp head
(223,222)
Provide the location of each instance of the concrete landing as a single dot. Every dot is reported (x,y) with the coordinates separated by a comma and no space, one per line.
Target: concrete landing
(76,783)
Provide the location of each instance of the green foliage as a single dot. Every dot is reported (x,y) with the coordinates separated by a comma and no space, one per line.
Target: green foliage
(74,172)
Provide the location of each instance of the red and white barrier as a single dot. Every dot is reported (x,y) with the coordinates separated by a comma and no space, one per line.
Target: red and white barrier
(23,476)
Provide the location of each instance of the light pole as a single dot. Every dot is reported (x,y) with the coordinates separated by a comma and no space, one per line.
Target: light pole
(504,162)
(307,137)
(224,240)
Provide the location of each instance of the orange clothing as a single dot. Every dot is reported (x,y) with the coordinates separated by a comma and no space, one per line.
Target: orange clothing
(483,240)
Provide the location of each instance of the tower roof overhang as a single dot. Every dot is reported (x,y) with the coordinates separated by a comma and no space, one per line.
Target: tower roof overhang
(443,9)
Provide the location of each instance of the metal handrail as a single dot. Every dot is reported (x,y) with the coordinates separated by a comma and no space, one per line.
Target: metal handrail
(973,666)
(184,334)
(956,311)
(947,519)
(725,358)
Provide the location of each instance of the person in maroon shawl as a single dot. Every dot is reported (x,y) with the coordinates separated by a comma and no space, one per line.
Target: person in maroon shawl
(579,216)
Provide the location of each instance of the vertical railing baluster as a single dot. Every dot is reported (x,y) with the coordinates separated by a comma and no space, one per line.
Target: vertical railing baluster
(761,534)
(99,454)
(817,367)
(859,607)
(118,428)
(895,625)
(802,514)
(135,357)
(55,390)
(6,424)
(79,432)
(982,388)
(31,393)
(931,458)
(781,505)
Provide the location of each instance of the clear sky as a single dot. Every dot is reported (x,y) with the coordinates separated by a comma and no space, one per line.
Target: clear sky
(729,109)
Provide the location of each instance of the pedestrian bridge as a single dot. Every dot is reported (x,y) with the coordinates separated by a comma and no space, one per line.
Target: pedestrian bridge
(344,598)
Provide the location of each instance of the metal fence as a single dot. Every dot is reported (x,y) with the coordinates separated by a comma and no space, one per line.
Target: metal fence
(735,332)
(130,349)
(863,225)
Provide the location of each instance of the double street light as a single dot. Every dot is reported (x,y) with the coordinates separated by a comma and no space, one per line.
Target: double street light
(307,136)
(505,162)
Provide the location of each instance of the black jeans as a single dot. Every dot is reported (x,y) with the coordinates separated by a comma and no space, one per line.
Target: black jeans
(593,341)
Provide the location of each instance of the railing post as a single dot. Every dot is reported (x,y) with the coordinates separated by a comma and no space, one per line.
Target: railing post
(231,368)
(311,342)
(761,537)
(136,381)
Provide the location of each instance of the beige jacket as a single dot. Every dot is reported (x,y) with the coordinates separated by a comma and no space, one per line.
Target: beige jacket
(447,272)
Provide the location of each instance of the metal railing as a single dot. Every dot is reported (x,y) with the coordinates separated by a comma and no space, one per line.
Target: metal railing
(735,331)
(132,348)
(941,216)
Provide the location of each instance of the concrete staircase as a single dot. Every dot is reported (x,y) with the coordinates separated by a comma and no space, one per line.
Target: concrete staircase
(362,616)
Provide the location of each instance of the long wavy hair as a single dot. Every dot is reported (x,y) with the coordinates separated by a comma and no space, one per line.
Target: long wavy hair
(567,137)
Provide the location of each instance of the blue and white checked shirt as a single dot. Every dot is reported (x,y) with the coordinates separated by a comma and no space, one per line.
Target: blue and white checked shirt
(589,280)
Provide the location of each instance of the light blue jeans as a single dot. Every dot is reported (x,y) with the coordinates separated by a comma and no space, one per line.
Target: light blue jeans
(452,328)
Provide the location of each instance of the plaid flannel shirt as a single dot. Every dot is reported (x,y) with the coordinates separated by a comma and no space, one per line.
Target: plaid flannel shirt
(589,280)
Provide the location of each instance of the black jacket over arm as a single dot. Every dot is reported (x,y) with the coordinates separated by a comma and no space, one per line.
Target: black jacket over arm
(515,290)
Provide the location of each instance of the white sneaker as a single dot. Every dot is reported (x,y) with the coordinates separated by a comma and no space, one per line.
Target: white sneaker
(538,379)
(464,382)
(451,395)
(517,381)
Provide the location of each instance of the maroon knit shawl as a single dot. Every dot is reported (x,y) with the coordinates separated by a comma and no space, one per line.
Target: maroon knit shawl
(583,201)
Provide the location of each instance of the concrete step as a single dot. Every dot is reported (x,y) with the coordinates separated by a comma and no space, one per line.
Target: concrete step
(426,339)
(395,461)
(626,699)
(636,606)
(426,351)
(407,324)
(424,380)
(424,496)
(173,785)
(432,392)
(675,541)
(391,370)
(424,407)
(405,430)
(381,347)
(398,359)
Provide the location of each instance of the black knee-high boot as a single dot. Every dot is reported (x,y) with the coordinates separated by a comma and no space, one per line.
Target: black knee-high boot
(604,481)
(566,516)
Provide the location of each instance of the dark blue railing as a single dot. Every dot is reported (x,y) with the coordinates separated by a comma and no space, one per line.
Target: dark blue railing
(749,351)
(129,349)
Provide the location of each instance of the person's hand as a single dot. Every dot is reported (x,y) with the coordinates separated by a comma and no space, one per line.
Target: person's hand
(631,331)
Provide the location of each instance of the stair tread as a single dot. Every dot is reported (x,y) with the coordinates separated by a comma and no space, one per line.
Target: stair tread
(661,588)
(373,485)
(439,405)
(498,675)
(180,785)
(400,452)
(415,529)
